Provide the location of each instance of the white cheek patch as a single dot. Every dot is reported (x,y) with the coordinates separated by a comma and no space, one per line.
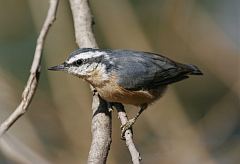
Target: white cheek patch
(86,70)
(73,71)
(86,55)
(83,70)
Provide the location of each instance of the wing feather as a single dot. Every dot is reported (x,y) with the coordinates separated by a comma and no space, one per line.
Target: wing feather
(142,70)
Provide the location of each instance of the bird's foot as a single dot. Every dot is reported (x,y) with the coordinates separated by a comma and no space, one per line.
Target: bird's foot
(127,126)
(110,110)
(110,107)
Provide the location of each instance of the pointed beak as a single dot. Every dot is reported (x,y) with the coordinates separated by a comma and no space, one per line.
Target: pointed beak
(60,67)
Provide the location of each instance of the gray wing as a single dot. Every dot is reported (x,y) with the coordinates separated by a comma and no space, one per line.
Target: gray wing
(141,70)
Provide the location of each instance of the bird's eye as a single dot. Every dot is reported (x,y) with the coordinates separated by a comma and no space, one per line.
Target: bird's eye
(78,62)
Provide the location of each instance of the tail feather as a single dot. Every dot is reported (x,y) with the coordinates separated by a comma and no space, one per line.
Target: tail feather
(194,69)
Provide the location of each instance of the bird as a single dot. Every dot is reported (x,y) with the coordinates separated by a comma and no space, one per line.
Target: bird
(126,76)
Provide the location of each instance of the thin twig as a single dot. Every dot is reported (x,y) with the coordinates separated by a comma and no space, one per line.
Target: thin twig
(101,121)
(136,158)
(32,83)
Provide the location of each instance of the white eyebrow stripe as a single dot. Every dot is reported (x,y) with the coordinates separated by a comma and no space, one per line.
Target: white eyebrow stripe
(85,55)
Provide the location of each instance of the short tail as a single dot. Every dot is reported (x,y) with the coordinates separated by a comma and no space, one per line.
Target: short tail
(194,70)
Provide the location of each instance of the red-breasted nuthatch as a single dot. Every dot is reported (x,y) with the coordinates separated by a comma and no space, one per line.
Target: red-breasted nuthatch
(126,76)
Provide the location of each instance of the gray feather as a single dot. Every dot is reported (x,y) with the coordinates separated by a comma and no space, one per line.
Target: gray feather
(143,70)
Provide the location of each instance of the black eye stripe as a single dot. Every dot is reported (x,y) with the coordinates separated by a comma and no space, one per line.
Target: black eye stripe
(77,63)
(65,64)
(88,61)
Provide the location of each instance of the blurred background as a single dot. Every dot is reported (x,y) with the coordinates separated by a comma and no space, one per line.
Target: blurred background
(196,122)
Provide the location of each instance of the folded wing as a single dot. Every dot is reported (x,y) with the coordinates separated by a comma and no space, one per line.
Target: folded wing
(142,70)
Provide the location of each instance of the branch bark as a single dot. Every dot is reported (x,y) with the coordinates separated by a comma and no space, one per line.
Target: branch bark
(33,79)
(136,158)
(101,121)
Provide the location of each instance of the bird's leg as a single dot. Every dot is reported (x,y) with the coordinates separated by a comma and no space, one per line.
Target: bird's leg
(130,122)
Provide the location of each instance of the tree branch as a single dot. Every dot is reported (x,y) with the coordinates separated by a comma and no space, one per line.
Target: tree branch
(32,83)
(101,121)
(136,158)
(82,19)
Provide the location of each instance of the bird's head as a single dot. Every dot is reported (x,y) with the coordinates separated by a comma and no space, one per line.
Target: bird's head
(83,62)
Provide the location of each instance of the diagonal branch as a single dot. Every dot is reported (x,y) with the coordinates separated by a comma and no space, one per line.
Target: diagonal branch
(136,158)
(32,82)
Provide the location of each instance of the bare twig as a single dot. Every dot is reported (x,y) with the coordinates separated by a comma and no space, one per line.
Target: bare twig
(31,86)
(136,158)
(101,121)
